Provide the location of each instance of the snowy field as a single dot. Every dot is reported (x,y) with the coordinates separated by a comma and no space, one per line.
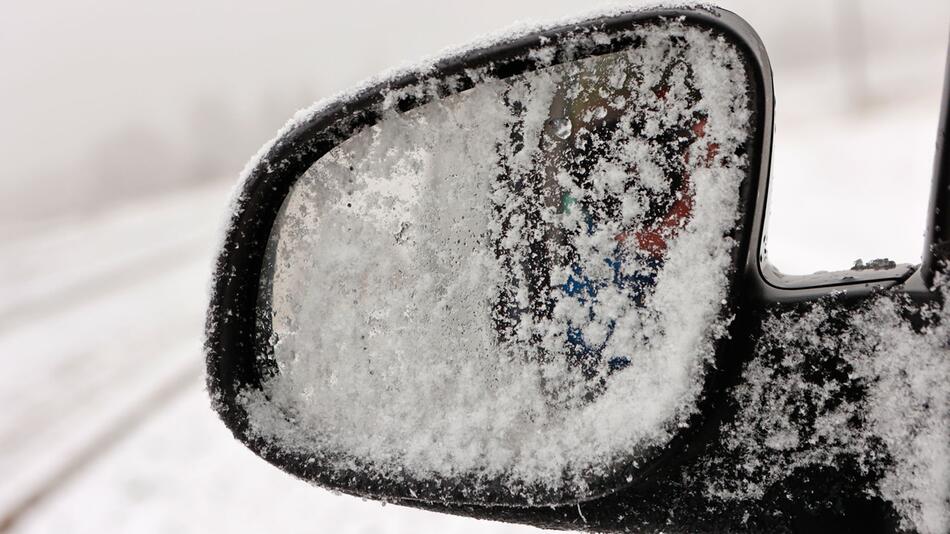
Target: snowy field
(106,426)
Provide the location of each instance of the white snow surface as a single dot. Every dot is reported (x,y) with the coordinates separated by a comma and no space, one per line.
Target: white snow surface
(181,471)
(392,252)
(897,429)
(83,358)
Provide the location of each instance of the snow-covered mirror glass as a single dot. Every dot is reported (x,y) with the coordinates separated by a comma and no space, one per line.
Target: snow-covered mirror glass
(520,285)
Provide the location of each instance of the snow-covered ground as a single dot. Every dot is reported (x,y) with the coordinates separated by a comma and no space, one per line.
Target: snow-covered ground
(101,322)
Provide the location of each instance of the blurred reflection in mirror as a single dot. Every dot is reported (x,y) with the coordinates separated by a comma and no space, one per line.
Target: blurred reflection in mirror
(521,283)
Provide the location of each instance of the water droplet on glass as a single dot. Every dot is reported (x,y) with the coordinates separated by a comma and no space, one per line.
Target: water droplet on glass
(561,127)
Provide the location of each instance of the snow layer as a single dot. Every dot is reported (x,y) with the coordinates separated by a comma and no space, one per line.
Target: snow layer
(431,276)
(833,384)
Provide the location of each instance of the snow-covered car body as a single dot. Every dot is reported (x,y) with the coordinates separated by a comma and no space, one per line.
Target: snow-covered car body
(780,410)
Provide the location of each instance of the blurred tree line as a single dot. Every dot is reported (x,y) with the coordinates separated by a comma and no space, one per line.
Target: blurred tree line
(214,140)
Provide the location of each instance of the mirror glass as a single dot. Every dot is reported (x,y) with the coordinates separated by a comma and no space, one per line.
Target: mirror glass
(519,285)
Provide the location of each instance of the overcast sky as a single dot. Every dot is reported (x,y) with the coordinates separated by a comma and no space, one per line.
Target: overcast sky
(78,76)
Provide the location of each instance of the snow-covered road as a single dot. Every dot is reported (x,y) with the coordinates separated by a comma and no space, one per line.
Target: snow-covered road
(107,426)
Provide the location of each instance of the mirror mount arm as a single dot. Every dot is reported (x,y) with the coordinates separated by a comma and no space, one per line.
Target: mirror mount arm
(937,241)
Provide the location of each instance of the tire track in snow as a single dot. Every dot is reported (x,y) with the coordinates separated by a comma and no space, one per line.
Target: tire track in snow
(84,390)
(104,282)
(102,331)
(134,416)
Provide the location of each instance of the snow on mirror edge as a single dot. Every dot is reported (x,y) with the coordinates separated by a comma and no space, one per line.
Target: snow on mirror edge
(522,282)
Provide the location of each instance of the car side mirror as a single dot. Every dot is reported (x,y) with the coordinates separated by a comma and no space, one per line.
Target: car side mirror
(501,280)
(514,283)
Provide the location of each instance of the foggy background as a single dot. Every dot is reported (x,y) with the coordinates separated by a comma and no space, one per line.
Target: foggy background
(123,126)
